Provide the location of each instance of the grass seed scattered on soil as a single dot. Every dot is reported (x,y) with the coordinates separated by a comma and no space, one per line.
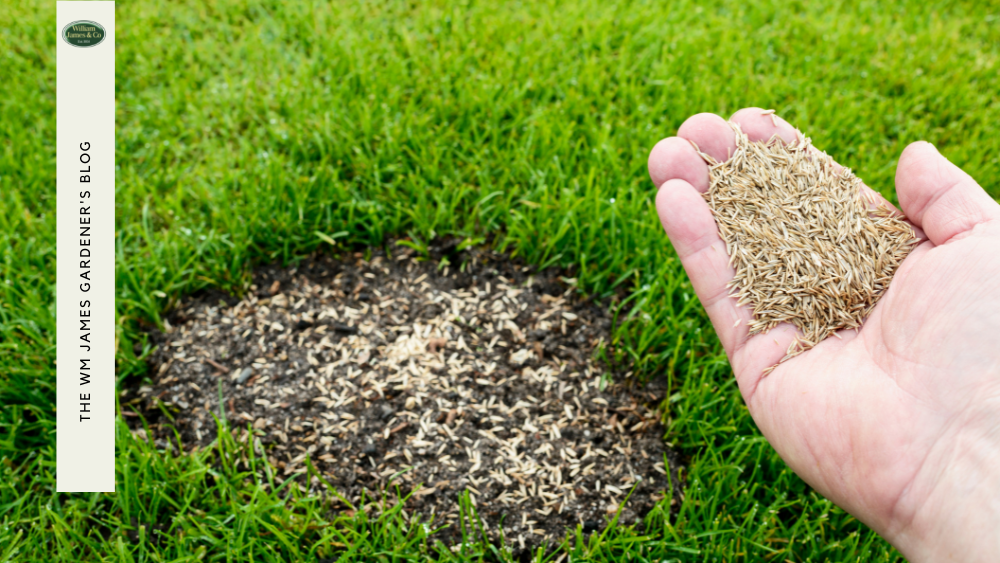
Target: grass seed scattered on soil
(478,380)
(807,246)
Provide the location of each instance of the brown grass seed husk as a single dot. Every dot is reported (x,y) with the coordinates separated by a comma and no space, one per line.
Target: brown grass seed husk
(808,247)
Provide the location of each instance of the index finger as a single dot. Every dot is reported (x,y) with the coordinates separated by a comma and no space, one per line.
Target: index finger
(689,223)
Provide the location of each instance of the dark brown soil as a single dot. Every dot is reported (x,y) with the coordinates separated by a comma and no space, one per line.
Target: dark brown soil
(472,374)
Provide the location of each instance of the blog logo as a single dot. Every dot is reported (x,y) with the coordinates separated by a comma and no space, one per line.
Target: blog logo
(83,33)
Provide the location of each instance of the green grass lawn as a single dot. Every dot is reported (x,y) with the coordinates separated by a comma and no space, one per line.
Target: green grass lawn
(258,131)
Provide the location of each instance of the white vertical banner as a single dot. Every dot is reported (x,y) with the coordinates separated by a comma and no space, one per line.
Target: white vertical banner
(85,251)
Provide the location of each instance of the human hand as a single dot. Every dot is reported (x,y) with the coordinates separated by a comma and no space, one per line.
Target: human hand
(899,422)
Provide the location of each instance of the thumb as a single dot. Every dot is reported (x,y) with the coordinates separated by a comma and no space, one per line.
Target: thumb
(938,196)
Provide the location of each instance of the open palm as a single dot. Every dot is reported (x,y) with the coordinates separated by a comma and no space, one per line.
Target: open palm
(899,422)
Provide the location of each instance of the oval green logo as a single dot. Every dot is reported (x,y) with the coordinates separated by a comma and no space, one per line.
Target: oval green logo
(83,33)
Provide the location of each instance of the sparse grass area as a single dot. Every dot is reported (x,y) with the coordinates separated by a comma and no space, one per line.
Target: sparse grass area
(265,130)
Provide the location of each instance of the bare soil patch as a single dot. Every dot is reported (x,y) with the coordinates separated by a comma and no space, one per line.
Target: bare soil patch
(473,374)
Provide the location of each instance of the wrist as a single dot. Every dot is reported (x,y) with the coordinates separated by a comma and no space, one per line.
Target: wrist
(951,512)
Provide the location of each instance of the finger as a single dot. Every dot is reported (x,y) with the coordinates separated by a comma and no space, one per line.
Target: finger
(693,231)
(763,125)
(675,158)
(686,218)
(939,196)
(711,133)
(688,222)
(681,174)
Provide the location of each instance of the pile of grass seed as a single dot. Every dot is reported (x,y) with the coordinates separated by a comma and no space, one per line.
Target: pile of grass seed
(808,248)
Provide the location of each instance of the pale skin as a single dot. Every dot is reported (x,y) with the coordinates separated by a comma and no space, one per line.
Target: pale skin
(898,422)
